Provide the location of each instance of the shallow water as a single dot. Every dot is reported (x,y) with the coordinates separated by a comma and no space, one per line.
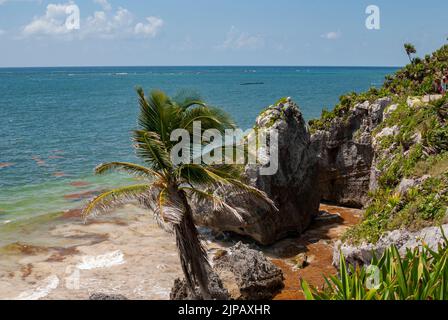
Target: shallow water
(57,124)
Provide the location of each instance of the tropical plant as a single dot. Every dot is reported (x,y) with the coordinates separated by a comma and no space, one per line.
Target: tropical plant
(168,188)
(422,274)
(410,49)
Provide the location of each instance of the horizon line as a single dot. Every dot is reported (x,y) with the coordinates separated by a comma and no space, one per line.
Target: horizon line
(202,66)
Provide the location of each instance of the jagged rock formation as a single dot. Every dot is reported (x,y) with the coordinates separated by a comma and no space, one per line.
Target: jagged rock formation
(346,154)
(293,187)
(239,273)
(403,239)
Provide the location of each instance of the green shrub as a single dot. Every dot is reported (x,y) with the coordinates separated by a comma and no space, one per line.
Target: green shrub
(422,274)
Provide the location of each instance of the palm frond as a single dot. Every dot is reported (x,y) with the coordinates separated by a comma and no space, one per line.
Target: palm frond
(219,205)
(111,199)
(130,168)
(186,99)
(210,118)
(151,149)
(158,114)
(171,208)
(243,189)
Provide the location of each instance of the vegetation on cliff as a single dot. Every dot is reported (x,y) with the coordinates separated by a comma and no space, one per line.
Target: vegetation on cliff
(421,274)
(411,148)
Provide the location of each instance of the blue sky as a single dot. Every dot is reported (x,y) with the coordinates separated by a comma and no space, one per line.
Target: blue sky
(217,32)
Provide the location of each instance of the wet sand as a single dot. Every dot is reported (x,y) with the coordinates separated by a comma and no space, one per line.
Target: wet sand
(127,253)
(317,244)
(124,253)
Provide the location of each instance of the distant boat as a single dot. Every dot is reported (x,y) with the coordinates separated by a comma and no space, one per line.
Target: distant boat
(251,83)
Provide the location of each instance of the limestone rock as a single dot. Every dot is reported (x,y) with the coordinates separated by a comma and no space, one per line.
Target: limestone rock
(346,154)
(293,187)
(180,290)
(239,273)
(403,239)
(102,296)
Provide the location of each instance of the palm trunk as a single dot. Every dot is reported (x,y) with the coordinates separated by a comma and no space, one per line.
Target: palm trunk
(192,254)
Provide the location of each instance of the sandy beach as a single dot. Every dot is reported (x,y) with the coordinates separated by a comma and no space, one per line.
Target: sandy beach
(127,253)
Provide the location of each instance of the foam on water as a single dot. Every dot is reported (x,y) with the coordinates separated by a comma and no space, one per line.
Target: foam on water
(102,261)
(47,285)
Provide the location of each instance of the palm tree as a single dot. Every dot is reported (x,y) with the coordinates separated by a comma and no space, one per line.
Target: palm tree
(410,49)
(167,188)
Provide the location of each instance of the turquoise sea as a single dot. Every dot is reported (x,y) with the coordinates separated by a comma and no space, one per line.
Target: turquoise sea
(57,124)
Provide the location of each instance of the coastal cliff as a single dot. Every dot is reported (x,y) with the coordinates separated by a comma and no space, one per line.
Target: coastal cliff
(292,187)
(384,150)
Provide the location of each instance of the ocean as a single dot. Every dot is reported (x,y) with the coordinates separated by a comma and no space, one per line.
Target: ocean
(57,124)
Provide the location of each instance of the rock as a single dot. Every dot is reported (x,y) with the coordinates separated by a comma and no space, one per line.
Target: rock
(418,101)
(386,132)
(293,187)
(346,154)
(431,98)
(239,273)
(300,261)
(247,274)
(405,185)
(389,111)
(362,254)
(180,290)
(102,296)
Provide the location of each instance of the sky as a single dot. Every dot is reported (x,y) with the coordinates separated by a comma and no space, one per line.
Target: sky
(217,32)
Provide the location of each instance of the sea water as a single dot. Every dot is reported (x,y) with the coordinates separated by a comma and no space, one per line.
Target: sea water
(57,124)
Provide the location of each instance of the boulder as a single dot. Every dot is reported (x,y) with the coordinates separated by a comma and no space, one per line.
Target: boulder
(239,273)
(345,152)
(403,239)
(292,187)
(102,296)
(180,290)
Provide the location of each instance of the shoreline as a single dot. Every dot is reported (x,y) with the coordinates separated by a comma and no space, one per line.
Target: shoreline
(126,253)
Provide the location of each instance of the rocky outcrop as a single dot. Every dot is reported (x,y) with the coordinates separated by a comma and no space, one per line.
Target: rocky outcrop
(102,296)
(292,187)
(239,273)
(346,154)
(180,290)
(402,239)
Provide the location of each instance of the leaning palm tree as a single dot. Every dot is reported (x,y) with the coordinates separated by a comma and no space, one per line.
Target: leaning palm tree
(410,49)
(168,188)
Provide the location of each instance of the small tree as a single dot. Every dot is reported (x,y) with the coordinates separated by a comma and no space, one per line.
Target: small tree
(167,188)
(410,49)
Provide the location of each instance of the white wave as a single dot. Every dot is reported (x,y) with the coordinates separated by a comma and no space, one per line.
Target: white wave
(102,261)
(49,284)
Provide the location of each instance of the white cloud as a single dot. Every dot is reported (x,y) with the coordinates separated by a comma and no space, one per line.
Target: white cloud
(101,24)
(332,35)
(104,4)
(241,40)
(2,32)
(52,23)
(149,29)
